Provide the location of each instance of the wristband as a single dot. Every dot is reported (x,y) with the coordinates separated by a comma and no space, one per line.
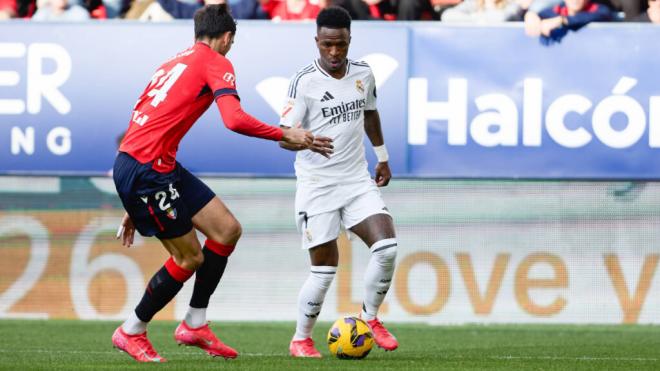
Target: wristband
(381,153)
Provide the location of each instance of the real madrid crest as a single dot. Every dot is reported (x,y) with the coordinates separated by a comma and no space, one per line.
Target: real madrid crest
(359,86)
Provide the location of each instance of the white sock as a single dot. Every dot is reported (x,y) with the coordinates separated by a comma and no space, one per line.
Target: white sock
(378,276)
(195,317)
(133,325)
(310,299)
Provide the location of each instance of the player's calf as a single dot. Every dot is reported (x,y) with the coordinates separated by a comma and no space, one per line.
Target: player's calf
(378,276)
(162,287)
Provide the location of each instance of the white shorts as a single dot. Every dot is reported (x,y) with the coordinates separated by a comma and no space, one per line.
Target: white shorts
(320,212)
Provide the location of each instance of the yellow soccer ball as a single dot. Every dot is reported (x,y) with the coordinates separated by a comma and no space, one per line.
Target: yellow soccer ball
(350,338)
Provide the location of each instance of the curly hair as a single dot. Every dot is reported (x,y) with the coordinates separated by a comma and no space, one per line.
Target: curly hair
(334,17)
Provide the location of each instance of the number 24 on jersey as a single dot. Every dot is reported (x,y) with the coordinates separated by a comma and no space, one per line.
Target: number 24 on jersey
(160,84)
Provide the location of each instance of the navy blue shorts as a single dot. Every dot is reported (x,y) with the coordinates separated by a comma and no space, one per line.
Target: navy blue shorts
(160,205)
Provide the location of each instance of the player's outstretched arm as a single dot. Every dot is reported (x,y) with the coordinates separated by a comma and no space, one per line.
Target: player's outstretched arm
(235,119)
(375,134)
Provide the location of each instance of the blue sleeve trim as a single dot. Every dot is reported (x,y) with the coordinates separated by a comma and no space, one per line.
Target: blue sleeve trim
(225,91)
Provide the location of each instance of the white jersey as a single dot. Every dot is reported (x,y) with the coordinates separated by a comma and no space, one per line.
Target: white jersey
(332,108)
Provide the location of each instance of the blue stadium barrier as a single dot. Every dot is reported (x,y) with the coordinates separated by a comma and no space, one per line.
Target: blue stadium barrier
(456,102)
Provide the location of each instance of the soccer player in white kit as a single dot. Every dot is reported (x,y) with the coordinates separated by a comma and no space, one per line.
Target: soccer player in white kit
(335,99)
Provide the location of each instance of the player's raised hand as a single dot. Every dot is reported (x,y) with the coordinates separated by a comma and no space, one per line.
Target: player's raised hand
(298,136)
(322,146)
(383,174)
(126,231)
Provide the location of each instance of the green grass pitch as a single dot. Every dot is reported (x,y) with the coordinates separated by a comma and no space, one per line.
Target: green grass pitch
(70,345)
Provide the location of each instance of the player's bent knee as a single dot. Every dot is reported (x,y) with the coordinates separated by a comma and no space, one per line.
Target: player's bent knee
(385,250)
(193,261)
(229,233)
(219,248)
(235,230)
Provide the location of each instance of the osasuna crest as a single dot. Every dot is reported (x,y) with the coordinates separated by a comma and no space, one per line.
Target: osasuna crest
(171,213)
(359,86)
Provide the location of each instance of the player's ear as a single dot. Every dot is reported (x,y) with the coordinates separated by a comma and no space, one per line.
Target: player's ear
(227,41)
(226,38)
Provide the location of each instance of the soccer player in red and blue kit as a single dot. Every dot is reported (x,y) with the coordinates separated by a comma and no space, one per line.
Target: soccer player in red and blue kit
(163,199)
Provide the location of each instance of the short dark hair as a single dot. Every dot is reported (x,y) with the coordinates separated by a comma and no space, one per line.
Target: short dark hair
(213,20)
(334,17)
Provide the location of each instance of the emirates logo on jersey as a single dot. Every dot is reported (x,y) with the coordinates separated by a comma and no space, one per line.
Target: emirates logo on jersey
(230,78)
(343,107)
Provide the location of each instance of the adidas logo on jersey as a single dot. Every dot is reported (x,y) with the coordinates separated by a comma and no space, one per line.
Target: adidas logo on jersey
(327,96)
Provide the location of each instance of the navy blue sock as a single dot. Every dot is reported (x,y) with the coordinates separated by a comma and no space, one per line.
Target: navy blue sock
(162,288)
(208,275)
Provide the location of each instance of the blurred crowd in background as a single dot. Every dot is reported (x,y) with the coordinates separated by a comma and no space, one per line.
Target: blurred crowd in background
(548,19)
